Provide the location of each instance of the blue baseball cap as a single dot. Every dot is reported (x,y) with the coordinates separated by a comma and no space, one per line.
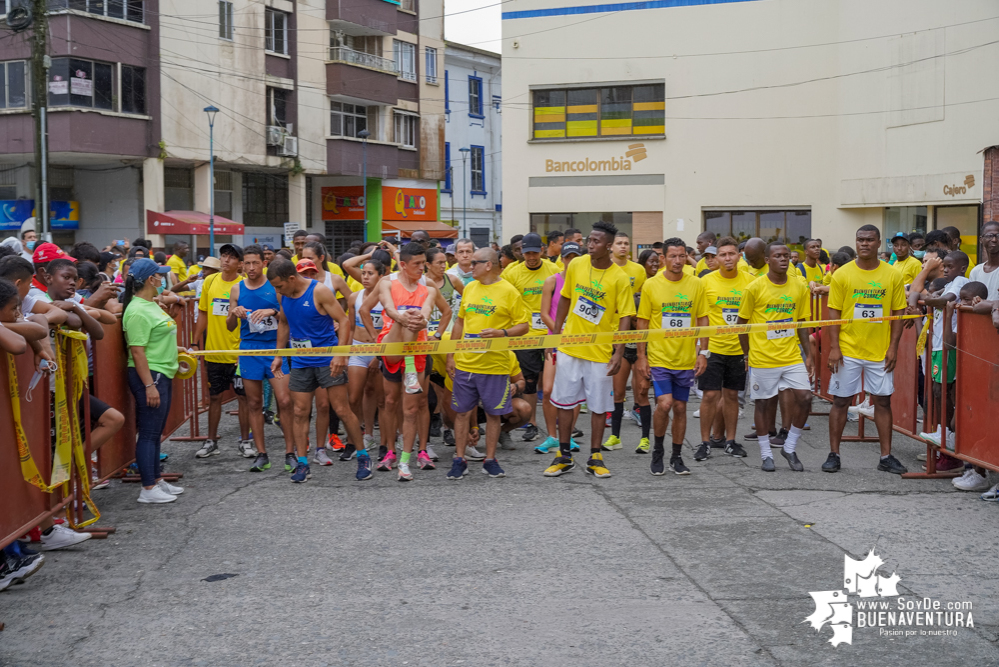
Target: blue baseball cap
(141,269)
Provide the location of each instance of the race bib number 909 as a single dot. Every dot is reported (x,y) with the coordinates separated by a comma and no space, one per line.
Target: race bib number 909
(588,310)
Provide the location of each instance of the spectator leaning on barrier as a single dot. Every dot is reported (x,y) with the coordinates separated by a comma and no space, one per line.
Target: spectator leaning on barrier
(177,261)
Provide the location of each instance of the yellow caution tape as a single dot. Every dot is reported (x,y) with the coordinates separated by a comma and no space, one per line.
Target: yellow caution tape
(188,366)
(70,350)
(539,342)
(29,470)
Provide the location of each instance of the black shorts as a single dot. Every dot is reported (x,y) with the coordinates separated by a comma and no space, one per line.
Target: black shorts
(222,376)
(97,410)
(631,353)
(396,377)
(437,379)
(532,364)
(726,371)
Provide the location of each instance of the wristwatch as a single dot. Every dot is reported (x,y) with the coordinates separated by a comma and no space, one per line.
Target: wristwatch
(705,353)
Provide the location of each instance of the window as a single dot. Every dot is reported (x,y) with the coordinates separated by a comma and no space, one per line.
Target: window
(447,167)
(405,59)
(131,10)
(277,107)
(406,129)
(133,89)
(265,199)
(81,83)
(276,31)
(593,112)
(790,227)
(475,96)
(478,170)
(347,120)
(13,85)
(431,68)
(178,189)
(225,19)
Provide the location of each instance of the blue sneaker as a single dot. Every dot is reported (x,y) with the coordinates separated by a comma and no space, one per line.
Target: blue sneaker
(459,468)
(164,456)
(301,474)
(492,468)
(363,468)
(573,445)
(547,446)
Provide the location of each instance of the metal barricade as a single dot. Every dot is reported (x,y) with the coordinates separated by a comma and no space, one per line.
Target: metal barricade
(110,384)
(977,389)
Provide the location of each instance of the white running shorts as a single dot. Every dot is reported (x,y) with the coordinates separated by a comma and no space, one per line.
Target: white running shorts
(767,382)
(582,381)
(854,372)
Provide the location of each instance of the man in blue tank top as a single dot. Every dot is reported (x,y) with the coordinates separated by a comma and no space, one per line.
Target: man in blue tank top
(309,311)
(254,306)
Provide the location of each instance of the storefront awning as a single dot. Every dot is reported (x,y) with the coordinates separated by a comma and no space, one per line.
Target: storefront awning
(188,222)
(436,230)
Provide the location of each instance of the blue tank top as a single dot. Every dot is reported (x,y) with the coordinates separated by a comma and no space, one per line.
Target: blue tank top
(264,335)
(308,327)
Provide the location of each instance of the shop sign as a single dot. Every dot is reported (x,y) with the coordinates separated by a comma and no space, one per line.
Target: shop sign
(408,204)
(343,202)
(954,190)
(635,153)
(62,214)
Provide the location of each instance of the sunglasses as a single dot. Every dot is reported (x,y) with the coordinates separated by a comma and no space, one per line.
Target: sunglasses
(479,261)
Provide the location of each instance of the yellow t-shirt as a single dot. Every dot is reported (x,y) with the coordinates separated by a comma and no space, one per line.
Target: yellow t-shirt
(509,266)
(598,299)
(558,262)
(528,282)
(354,285)
(215,302)
(909,269)
(688,270)
(495,306)
(724,297)
(826,279)
(857,294)
(673,305)
(756,273)
(636,275)
(176,263)
(763,301)
(816,273)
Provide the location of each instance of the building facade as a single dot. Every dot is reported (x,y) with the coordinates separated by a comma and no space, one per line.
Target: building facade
(471,197)
(295,82)
(779,119)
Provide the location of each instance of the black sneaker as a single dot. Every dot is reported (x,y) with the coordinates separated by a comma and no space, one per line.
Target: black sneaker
(268,417)
(449,437)
(348,452)
(832,463)
(768,465)
(382,452)
(792,460)
(290,462)
(576,433)
(435,425)
(703,452)
(750,436)
(716,443)
(657,466)
(261,463)
(530,433)
(777,439)
(676,465)
(733,448)
(892,465)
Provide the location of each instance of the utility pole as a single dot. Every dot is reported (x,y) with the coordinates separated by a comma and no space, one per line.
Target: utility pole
(40,63)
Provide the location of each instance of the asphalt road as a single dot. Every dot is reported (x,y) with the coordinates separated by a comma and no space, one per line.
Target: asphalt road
(710,569)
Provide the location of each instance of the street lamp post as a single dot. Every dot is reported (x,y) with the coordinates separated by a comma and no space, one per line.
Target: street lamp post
(211,111)
(464,189)
(363,136)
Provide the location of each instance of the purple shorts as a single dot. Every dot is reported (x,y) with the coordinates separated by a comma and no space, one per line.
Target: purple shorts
(468,389)
(678,383)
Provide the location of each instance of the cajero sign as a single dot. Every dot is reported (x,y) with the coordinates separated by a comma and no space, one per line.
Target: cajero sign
(635,153)
(954,190)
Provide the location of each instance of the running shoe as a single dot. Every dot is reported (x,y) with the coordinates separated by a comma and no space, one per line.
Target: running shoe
(261,463)
(449,437)
(334,443)
(15,570)
(492,468)
(560,466)
(613,442)
(459,468)
(595,466)
(505,441)
(576,433)
(933,437)
(657,468)
(894,466)
(424,462)
(435,425)
(155,496)
(778,440)
(768,465)
(750,436)
(635,416)
(290,461)
(676,465)
(322,458)
(247,449)
(583,409)
(404,474)
(412,383)
(697,414)
(348,452)
(792,460)
(301,474)
(643,446)
(94,481)
(832,463)
(61,537)
(531,433)
(703,452)
(432,454)
(548,445)
(386,463)
(607,420)
(472,454)
(716,443)
(369,441)
(733,448)
(170,488)
(944,463)
(210,448)
(163,457)
(992,495)
(971,481)
(268,417)
(573,445)
(363,468)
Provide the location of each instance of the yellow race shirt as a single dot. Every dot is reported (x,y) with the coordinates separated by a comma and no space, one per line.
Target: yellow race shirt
(826,279)
(598,299)
(495,306)
(814,274)
(688,270)
(673,305)
(636,275)
(860,294)
(701,265)
(557,262)
(215,302)
(763,301)
(528,282)
(179,267)
(724,297)
(510,266)
(909,269)
(756,273)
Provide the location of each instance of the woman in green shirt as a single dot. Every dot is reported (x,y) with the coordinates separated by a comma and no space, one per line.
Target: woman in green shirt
(151,336)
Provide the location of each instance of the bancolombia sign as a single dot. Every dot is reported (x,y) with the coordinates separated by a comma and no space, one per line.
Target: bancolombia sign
(635,153)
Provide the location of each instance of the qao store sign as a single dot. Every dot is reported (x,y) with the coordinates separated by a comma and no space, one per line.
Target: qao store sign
(409,204)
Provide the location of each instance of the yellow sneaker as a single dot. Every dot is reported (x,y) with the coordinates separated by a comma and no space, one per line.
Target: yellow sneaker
(560,466)
(595,466)
(613,442)
(643,446)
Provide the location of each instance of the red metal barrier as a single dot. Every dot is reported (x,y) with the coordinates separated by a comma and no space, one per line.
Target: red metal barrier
(977,390)
(905,400)
(181,407)
(110,384)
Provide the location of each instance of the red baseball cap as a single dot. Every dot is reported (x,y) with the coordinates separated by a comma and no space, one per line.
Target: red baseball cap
(46,252)
(306,265)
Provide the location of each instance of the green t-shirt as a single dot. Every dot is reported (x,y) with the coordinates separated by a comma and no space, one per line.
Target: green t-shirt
(146,325)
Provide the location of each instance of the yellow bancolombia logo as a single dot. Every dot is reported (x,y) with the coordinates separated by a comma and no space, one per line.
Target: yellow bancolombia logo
(635,153)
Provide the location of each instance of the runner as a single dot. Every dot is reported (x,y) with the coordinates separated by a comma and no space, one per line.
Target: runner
(597,297)
(774,358)
(554,249)
(308,314)
(672,300)
(704,241)
(725,375)
(450,289)
(756,257)
(862,356)
(254,307)
(811,268)
(364,386)
(529,279)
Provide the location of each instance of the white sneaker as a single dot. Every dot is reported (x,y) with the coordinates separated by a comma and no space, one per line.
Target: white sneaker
(432,454)
(62,537)
(867,410)
(247,449)
(170,488)
(933,437)
(412,383)
(951,440)
(852,416)
(992,495)
(404,474)
(697,414)
(971,481)
(472,454)
(155,496)
(370,442)
(210,448)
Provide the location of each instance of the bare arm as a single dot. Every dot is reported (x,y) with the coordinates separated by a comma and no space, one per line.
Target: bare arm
(236,312)
(352,267)
(53,314)
(30,331)
(364,309)
(282,341)
(561,314)
(12,342)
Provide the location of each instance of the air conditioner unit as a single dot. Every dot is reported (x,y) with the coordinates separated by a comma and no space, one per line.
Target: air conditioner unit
(275,135)
(289,148)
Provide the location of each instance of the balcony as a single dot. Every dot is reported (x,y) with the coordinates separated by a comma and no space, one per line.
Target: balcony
(341,54)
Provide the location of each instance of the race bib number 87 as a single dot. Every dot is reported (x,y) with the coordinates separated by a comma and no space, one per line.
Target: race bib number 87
(731,315)
(588,310)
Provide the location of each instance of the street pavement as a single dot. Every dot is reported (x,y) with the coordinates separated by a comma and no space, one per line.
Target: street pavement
(710,569)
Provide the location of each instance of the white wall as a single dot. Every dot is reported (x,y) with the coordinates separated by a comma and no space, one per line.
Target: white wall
(110,205)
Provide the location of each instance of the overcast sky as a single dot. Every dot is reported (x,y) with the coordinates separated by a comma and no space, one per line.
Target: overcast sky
(479,28)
